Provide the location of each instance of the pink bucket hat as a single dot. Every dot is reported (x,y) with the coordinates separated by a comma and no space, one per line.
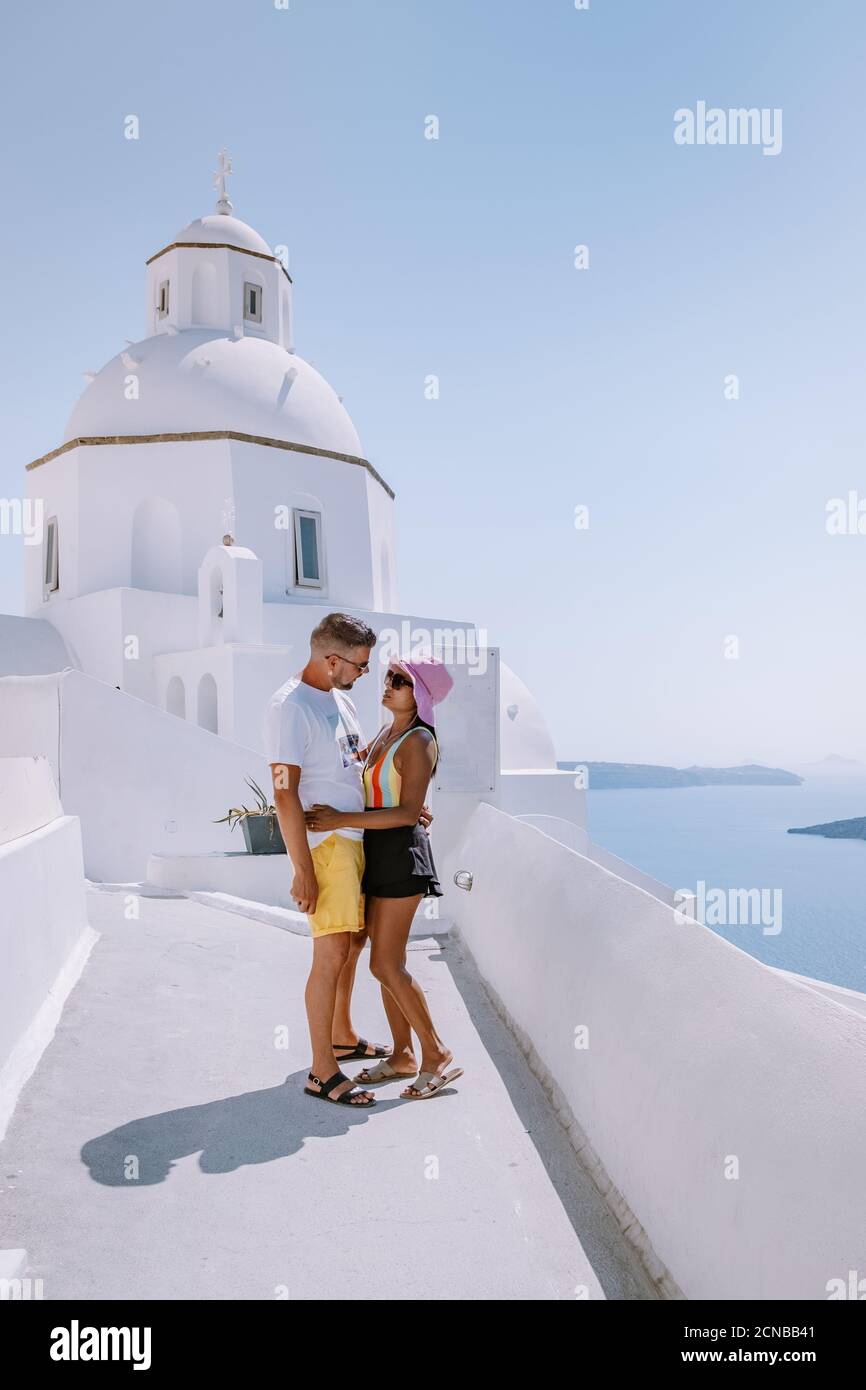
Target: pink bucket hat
(432,684)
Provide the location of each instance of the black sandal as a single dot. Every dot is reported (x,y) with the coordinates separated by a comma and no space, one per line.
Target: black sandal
(345,1098)
(359,1051)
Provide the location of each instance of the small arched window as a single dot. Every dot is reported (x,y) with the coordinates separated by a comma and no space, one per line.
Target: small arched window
(51,573)
(252,302)
(308,548)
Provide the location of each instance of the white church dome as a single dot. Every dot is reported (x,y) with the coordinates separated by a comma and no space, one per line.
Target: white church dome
(219,353)
(218,229)
(206,379)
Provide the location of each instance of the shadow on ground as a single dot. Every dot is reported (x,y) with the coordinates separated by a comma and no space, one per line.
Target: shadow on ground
(256,1127)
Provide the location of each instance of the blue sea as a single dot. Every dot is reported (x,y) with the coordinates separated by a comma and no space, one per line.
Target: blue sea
(735,838)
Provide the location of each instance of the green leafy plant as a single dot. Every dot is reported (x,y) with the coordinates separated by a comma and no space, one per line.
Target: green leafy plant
(236,814)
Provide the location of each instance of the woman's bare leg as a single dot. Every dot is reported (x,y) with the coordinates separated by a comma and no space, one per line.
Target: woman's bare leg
(402,1052)
(402,1057)
(389,934)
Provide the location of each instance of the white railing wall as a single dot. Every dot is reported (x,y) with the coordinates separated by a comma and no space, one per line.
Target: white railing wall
(724,1100)
(44,935)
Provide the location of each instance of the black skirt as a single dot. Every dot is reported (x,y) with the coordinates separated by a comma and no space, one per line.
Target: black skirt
(398,863)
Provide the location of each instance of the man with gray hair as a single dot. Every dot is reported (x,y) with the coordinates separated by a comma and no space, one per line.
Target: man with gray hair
(314,747)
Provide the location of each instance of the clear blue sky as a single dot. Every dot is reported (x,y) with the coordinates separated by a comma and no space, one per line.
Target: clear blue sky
(558,387)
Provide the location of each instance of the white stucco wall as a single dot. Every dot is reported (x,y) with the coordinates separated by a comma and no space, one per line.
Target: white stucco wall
(30,719)
(43,923)
(145,515)
(207,288)
(383,547)
(115,634)
(54,486)
(246,678)
(699,1056)
(141,780)
(102,488)
(355,511)
(42,916)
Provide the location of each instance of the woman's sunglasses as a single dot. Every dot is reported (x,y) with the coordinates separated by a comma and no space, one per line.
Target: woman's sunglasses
(397,680)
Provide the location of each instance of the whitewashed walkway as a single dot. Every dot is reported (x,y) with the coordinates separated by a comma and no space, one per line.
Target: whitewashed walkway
(166,1063)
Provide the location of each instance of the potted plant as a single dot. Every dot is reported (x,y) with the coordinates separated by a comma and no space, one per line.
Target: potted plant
(262,834)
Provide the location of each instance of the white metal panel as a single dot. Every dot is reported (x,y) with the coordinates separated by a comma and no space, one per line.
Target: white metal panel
(467,723)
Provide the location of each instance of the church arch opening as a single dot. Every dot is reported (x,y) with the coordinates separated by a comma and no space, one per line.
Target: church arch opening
(175,697)
(208,705)
(204,301)
(157,546)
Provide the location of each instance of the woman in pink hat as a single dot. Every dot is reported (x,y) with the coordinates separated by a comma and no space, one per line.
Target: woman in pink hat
(398,866)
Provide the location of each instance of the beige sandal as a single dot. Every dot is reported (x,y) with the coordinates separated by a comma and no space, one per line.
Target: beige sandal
(383,1071)
(430,1083)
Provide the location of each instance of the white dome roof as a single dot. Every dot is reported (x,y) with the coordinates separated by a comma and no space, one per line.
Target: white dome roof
(220,229)
(204,379)
(524,737)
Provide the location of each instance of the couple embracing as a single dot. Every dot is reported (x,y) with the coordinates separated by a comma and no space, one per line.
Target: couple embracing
(354,821)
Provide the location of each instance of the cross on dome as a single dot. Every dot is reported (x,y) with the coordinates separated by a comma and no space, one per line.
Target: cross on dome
(224,167)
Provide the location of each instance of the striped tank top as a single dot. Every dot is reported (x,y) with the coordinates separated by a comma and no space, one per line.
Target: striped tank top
(381,778)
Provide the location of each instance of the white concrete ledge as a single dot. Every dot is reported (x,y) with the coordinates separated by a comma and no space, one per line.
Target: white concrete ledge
(847,998)
(44,943)
(260,878)
(285,918)
(719,1099)
(27,1052)
(28,796)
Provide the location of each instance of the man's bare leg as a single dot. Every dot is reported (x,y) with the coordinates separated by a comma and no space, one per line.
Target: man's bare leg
(330,953)
(344,1030)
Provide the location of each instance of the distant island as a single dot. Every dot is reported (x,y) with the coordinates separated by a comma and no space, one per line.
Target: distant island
(614,776)
(835,829)
(835,764)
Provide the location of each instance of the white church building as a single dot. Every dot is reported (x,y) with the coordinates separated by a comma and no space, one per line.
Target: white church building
(209,502)
(209,498)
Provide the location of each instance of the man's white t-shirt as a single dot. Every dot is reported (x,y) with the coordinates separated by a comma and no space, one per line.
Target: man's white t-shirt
(318,731)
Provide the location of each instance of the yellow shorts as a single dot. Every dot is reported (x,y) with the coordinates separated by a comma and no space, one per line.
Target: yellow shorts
(339,866)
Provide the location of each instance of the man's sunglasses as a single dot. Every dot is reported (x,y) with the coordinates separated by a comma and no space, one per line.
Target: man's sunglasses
(397,680)
(362,666)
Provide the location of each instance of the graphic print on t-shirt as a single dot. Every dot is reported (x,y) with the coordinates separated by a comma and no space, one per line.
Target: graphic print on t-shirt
(348,743)
(350,748)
